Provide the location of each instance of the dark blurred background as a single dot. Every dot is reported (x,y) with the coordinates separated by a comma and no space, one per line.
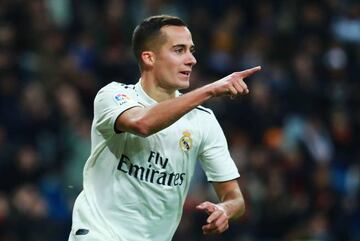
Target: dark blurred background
(295,137)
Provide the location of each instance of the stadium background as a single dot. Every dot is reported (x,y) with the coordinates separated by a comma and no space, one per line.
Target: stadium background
(294,138)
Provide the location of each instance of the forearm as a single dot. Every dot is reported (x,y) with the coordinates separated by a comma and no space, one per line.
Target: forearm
(231,198)
(150,120)
(233,204)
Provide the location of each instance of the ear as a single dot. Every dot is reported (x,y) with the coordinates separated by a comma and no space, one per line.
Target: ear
(148,58)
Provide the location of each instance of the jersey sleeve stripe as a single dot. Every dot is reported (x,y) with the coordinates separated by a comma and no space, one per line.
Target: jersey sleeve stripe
(203,109)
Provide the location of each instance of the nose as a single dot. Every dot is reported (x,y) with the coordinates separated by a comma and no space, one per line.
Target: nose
(191,60)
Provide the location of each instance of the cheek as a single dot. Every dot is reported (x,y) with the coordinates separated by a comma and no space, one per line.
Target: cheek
(164,71)
(171,60)
(169,67)
(168,64)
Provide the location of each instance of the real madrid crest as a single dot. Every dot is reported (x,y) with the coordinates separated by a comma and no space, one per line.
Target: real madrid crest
(186,141)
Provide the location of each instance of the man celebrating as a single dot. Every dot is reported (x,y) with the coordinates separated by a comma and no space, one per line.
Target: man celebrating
(146,140)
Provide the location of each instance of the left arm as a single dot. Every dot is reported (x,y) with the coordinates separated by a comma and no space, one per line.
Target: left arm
(231,206)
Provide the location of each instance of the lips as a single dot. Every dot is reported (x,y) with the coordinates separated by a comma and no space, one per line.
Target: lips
(186,73)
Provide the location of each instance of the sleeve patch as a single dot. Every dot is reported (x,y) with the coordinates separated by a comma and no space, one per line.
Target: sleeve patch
(121,98)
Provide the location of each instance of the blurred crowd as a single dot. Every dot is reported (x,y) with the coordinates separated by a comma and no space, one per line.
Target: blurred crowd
(294,138)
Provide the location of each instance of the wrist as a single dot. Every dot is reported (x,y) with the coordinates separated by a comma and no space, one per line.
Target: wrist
(209,91)
(223,208)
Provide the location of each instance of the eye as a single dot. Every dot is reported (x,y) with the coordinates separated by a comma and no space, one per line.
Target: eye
(179,50)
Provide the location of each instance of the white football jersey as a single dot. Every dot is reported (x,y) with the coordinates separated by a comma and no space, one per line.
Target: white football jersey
(135,187)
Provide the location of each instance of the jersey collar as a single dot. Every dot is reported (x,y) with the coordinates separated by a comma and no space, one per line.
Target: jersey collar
(141,92)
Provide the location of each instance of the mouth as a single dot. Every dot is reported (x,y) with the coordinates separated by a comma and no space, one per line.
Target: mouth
(185,73)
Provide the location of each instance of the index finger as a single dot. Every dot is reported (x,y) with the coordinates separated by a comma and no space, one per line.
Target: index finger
(249,72)
(207,207)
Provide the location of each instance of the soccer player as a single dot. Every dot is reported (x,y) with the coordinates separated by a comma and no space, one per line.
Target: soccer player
(146,140)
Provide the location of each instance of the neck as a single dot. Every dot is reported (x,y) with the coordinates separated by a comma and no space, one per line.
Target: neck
(152,88)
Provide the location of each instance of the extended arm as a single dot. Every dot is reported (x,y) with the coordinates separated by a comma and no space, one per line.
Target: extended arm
(147,121)
(230,207)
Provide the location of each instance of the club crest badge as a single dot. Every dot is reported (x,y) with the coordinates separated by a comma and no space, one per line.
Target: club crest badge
(186,141)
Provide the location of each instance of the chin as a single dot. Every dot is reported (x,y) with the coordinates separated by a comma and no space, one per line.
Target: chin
(184,85)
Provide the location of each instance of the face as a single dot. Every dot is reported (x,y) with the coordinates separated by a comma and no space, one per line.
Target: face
(174,59)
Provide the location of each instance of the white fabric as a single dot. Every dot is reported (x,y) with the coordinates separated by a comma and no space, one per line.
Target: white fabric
(135,187)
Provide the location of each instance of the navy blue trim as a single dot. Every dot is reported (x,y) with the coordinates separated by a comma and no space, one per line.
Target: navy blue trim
(233,179)
(82,231)
(116,130)
(200,108)
(141,104)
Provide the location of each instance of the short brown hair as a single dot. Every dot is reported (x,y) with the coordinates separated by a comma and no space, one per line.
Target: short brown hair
(149,30)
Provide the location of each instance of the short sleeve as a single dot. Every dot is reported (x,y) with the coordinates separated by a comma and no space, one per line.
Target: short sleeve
(110,102)
(214,155)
